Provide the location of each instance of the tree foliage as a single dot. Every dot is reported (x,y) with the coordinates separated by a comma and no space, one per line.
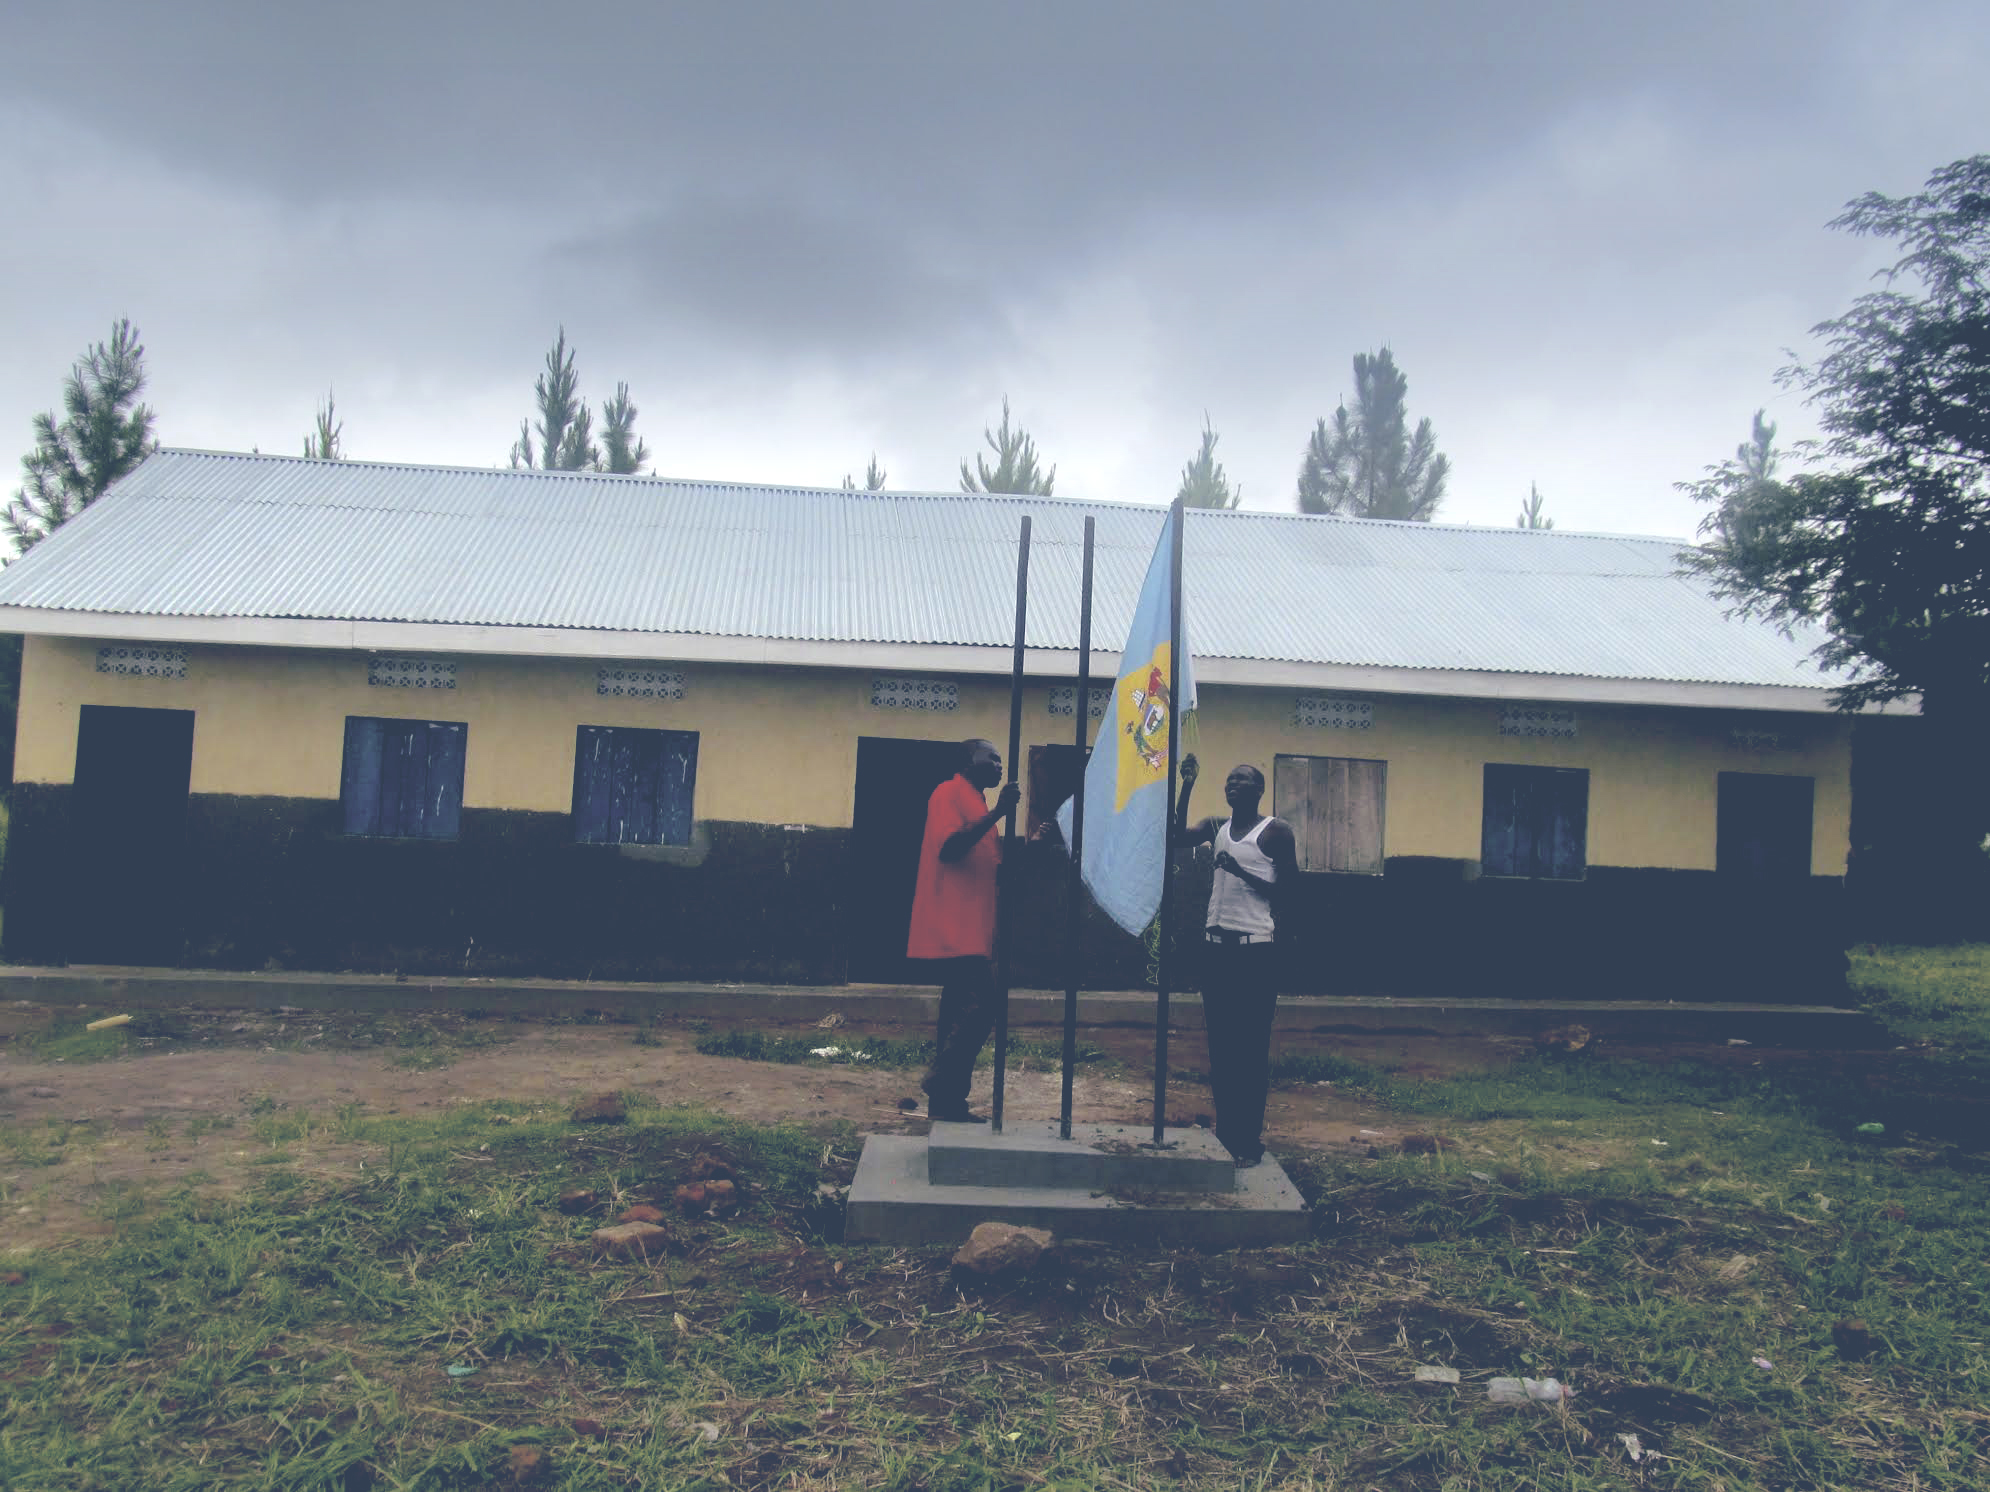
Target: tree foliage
(622,450)
(1884,538)
(1366,462)
(1016,468)
(104,433)
(563,437)
(873,477)
(325,442)
(1204,482)
(1530,511)
(565,428)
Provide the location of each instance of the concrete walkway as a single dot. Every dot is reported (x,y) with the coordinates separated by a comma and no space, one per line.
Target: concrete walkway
(105,988)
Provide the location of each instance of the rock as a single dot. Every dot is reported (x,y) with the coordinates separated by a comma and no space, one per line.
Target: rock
(592,1428)
(530,1465)
(1854,1340)
(630,1241)
(603,1108)
(710,1168)
(708,1196)
(44,1093)
(576,1200)
(993,1248)
(1563,1039)
(642,1212)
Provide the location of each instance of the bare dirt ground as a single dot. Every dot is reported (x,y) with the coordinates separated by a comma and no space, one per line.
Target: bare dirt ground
(219,1095)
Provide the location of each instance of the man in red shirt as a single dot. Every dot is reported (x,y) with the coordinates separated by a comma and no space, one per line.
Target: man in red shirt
(953,921)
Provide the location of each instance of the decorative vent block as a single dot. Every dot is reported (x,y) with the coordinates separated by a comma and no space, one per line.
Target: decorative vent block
(1756,740)
(639,683)
(137,662)
(1328,712)
(1064,700)
(1537,722)
(411,673)
(915,694)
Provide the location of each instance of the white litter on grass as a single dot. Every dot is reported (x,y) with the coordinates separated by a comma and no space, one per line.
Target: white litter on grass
(1480,1176)
(837,1051)
(1436,1375)
(1662,1144)
(1527,1391)
(1633,1447)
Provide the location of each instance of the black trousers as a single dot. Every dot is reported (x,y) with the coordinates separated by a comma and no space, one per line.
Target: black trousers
(1239,996)
(967,1015)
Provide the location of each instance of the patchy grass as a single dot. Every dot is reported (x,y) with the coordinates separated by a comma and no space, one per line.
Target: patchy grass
(1935,995)
(420,1040)
(407,1324)
(880,1051)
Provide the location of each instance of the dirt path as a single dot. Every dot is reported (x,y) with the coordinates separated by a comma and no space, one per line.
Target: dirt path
(222,1098)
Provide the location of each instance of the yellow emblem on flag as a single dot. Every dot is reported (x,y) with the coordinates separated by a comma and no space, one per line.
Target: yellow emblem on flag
(1144,706)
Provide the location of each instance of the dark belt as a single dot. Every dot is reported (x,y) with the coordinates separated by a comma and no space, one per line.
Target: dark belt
(1225,935)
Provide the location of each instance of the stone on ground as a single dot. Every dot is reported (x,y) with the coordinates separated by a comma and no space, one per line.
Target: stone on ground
(603,1108)
(642,1212)
(631,1241)
(993,1248)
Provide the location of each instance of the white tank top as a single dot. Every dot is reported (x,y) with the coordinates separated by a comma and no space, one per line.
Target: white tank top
(1234,906)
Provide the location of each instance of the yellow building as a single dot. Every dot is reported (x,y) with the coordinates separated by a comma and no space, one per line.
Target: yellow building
(355,716)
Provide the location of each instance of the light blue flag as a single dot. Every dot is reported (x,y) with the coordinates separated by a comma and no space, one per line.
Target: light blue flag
(1126,782)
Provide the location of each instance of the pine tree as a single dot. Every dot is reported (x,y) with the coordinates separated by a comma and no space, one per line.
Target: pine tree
(873,477)
(1015,468)
(323,444)
(104,433)
(566,440)
(1530,511)
(622,450)
(1366,463)
(1204,482)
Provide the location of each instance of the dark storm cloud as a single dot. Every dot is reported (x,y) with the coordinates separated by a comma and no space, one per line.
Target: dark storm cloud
(1589,229)
(785,280)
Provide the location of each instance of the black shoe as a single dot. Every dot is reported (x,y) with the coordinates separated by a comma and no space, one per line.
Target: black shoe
(960,1115)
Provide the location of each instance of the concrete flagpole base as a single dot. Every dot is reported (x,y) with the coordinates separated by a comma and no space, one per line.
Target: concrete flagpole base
(1105,1183)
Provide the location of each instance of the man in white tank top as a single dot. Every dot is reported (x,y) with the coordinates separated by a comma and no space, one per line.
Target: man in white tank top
(1256,860)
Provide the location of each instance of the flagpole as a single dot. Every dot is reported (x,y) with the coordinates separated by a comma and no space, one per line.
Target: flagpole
(1075,893)
(1004,918)
(1164,944)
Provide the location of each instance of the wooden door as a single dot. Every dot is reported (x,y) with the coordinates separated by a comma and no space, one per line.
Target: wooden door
(1335,807)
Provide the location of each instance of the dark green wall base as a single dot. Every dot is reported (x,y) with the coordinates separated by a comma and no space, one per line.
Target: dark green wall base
(270,882)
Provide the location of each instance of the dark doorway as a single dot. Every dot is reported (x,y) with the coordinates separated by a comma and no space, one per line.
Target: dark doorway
(1763,831)
(128,830)
(894,780)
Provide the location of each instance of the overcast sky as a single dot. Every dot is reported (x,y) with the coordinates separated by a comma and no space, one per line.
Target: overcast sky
(1591,232)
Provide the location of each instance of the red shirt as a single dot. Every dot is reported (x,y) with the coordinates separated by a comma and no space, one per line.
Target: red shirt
(953,906)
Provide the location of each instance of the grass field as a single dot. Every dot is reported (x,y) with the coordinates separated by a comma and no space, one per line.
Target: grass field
(1742,1290)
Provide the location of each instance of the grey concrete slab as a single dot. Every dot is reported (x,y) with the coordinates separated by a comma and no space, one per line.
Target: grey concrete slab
(893,1201)
(1097,1157)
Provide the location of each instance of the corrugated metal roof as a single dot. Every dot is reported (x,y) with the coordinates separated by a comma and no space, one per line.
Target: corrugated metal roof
(203,534)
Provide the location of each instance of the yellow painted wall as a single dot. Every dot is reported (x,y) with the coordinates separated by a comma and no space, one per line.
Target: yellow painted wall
(779,745)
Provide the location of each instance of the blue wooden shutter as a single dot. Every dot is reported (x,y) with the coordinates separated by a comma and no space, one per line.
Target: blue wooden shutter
(633,786)
(1536,822)
(446,746)
(359,787)
(677,780)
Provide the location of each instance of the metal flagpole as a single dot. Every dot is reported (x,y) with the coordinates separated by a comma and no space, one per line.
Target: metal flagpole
(1004,919)
(1165,943)
(1076,893)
